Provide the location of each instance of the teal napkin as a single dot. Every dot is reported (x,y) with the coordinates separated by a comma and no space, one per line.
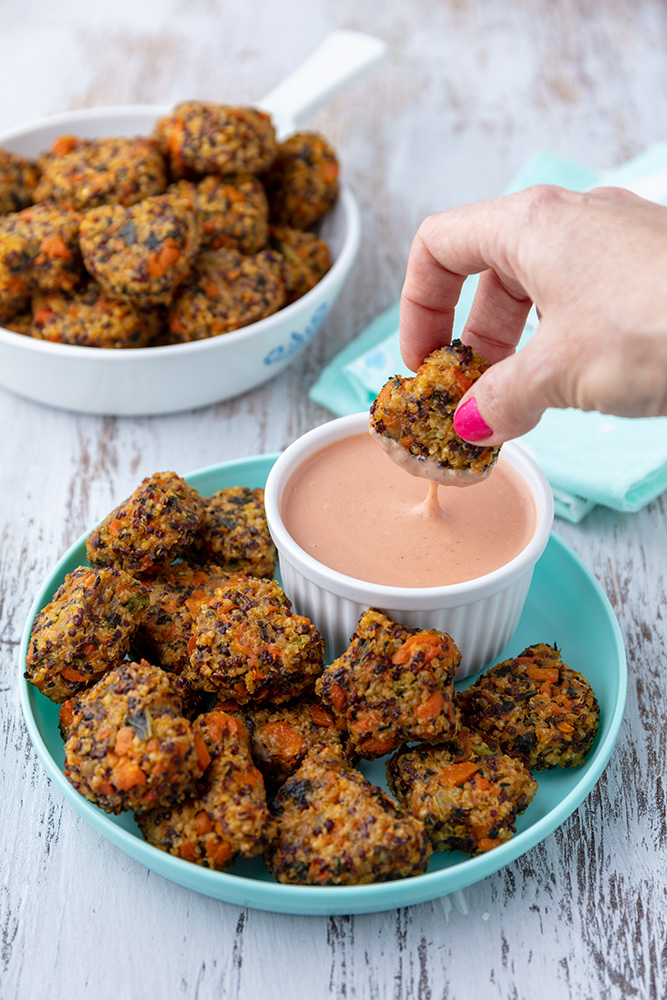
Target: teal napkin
(589,458)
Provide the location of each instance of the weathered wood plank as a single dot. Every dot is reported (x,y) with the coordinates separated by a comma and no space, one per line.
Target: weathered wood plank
(469,91)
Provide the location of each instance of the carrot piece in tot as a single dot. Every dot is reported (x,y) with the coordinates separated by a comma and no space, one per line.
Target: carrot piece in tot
(55,246)
(338,697)
(70,674)
(126,774)
(320,716)
(457,774)
(203,756)
(429,708)
(432,644)
(124,740)
(284,739)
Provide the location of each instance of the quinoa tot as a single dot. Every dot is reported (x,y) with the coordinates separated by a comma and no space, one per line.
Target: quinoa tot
(534,708)
(19,324)
(194,702)
(91,318)
(63,144)
(175,597)
(228,817)
(302,184)
(200,137)
(336,828)
(18,179)
(40,247)
(232,211)
(150,529)
(14,298)
(14,264)
(83,631)
(84,173)
(226,291)
(467,796)
(234,533)
(128,744)
(282,735)
(392,685)
(248,645)
(413,418)
(306,259)
(141,252)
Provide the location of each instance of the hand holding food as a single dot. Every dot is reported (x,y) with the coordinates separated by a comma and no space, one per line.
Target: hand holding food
(412,419)
(592,263)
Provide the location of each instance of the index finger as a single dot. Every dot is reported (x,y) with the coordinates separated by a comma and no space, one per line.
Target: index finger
(448,247)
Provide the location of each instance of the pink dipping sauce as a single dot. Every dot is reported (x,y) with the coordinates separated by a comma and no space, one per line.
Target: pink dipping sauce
(353,509)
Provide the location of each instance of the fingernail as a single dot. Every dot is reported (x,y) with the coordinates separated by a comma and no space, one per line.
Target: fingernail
(468,423)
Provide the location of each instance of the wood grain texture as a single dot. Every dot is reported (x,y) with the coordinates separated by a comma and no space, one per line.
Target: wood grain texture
(471,88)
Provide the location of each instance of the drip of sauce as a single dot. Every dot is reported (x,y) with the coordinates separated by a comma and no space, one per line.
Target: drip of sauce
(430,507)
(355,511)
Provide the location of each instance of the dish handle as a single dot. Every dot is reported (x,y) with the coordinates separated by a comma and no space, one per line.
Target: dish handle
(342,58)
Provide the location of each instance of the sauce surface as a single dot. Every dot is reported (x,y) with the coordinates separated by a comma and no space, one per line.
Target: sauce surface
(353,509)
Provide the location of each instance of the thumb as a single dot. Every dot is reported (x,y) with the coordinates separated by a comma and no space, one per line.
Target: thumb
(508,399)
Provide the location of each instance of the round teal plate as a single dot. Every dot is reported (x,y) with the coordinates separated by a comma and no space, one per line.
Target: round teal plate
(566,605)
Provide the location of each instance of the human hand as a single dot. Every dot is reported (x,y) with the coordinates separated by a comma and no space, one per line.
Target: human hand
(595,266)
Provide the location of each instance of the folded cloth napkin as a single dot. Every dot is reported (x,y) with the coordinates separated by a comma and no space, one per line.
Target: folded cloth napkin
(589,458)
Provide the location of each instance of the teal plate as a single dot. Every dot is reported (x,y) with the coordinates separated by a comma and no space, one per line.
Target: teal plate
(565,605)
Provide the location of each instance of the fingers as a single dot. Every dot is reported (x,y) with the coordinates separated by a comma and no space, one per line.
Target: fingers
(586,260)
(496,320)
(430,293)
(447,248)
(595,369)
(511,396)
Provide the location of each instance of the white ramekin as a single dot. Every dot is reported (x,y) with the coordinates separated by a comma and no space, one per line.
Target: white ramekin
(480,615)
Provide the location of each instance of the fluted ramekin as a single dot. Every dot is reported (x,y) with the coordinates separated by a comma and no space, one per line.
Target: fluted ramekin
(481,615)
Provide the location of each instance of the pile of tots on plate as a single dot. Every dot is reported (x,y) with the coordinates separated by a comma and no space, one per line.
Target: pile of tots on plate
(192,695)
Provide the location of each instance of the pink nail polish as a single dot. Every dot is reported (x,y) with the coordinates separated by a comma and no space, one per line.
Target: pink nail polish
(468,423)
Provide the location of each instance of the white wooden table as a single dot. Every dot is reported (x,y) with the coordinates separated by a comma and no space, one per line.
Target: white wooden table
(471,88)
